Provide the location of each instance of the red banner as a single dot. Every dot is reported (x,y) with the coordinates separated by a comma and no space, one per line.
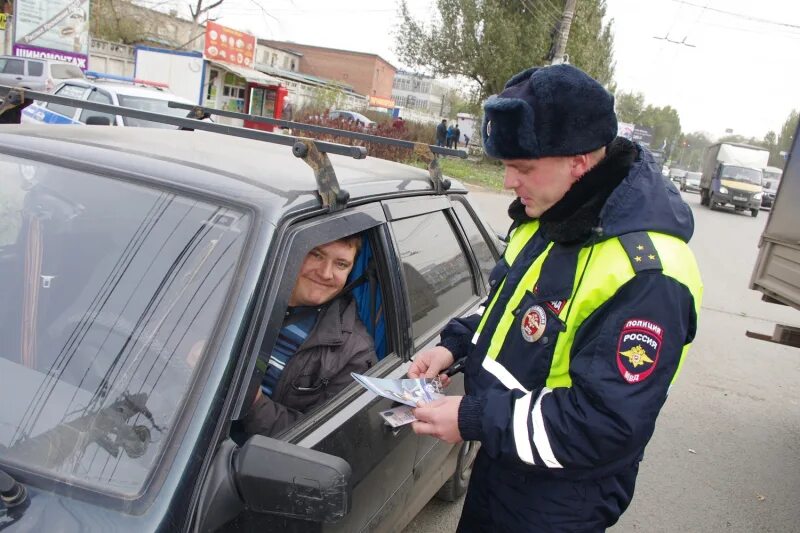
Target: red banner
(229,46)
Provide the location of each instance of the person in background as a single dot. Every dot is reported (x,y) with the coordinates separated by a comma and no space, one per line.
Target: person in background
(441,133)
(320,343)
(590,315)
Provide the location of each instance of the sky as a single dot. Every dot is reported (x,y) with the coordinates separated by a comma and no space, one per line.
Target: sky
(733,65)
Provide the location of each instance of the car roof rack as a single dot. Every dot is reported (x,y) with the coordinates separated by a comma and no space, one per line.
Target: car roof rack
(426,152)
(312,151)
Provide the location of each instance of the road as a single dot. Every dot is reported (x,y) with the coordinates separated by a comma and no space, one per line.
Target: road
(726,451)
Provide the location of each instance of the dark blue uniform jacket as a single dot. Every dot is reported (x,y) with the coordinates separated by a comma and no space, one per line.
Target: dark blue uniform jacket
(601,424)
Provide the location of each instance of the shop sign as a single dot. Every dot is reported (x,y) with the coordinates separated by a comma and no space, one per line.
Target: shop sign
(227,45)
(61,25)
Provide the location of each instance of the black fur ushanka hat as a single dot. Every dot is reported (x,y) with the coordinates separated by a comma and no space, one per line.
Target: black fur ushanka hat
(548,111)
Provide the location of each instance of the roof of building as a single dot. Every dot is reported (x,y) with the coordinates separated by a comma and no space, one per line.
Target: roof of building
(306,78)
(287,47)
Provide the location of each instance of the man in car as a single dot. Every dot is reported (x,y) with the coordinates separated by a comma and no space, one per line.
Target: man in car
(591,311)
(321,342)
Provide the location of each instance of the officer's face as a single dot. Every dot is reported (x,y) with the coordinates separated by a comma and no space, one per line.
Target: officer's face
(323,274)
(540,183)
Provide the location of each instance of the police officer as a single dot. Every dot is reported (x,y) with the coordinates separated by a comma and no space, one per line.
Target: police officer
(590,314)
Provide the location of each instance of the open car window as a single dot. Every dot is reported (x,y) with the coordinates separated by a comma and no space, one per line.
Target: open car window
(111,291)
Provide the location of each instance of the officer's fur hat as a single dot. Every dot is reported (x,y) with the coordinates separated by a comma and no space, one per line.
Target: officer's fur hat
(549,111)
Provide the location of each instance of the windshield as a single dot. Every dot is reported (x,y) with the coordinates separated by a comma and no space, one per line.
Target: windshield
(747,175)
(153,105)
(110,292)
(693,176)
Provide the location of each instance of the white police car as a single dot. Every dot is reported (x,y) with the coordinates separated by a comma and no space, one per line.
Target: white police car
(120,91)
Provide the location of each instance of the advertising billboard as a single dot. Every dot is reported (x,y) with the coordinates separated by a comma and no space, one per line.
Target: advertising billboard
(229,46)
(53,29)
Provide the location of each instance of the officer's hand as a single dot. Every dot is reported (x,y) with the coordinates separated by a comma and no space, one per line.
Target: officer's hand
(431,363)
(439,419)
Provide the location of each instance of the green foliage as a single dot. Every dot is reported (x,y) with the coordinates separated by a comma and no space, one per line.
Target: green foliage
(113,20)
(786,136)
(488,41)
(689,150)
(591,45)
(629,107)
(484,173)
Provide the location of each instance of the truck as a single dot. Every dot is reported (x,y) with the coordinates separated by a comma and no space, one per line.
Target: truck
(732,175)
(777,270)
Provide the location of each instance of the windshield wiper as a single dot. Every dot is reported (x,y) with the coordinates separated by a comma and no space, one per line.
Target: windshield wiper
(12,492)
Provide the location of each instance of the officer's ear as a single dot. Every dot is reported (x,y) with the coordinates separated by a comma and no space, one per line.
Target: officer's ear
(582,163)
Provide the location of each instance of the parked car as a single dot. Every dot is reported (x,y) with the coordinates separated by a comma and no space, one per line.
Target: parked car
(142,273)
(36,74)
(127,94)
(691,181)
(675,174)
(352,116)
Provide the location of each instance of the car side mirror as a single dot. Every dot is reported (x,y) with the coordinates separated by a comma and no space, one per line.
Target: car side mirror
(284,479)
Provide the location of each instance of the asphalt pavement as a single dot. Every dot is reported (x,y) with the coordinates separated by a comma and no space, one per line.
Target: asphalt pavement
(726,451)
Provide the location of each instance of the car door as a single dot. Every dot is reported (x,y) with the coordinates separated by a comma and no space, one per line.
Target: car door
(12,71)
(349,426)
(34,75)
(100,97)
(51,113)
(446,260)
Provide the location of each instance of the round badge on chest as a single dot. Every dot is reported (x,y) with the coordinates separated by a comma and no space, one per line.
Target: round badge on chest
(533,323)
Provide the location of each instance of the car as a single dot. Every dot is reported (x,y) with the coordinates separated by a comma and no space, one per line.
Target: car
(136,94)
(351,116)
(772,178)
(36,74)
(691,181)
(143,270)
(675,174)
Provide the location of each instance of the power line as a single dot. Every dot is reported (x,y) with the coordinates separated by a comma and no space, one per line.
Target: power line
(739,15)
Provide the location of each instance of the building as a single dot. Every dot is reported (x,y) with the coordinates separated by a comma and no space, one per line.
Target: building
(420,97)
(367,74)
(277,58)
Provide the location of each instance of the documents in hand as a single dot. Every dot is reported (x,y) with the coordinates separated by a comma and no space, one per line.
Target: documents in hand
(410,392)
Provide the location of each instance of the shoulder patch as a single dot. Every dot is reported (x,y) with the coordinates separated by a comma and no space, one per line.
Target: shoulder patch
(641,251)
(638,349)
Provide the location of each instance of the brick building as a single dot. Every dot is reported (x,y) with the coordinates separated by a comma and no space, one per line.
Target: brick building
(368,74)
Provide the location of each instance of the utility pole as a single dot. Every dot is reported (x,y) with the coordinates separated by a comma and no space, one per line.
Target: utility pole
(559,53)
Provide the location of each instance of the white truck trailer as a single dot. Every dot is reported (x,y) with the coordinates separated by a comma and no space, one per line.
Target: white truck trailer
(732,175)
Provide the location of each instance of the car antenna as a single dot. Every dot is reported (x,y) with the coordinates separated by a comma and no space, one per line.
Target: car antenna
(426,152)
(313,152)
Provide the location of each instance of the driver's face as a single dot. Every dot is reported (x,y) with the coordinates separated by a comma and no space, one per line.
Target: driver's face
(323,274)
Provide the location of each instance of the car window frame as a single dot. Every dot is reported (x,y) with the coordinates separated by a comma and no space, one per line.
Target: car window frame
(399,209)
(47,105)
(28,72)
(294,238)
(96,90)
(488,236)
